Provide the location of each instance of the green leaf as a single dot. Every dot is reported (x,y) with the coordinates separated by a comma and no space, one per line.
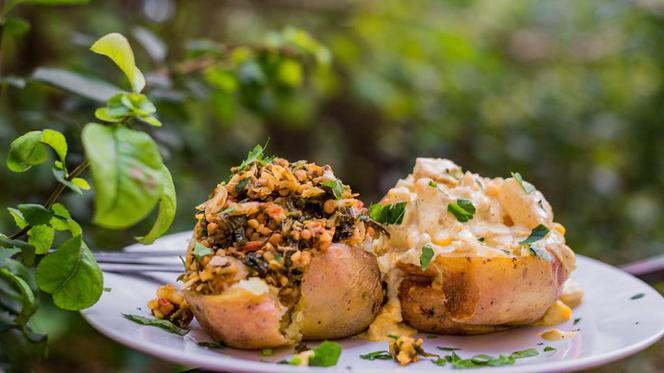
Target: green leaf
(525,353)
(62,220)
(377,355)
(28,297)
(81,85)
(81,183)
(163,324)
(7,253)
(26,151)
(336,186)
(117,48)
(56,141)
(388,214)
(255,154)
(127,173)
(41,237)
(15,26)
(71,275)
(61,178)
(35,214)
(444,348)
(548,348)
(536,234)
(462,209)
(425,257)
(17,216)
(200,251)
(151,120)
(326,355)
(167,209)
(440,362)
(637,296)
(526,186)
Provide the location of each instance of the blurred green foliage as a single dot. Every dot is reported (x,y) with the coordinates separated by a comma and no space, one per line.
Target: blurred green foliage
(568,93)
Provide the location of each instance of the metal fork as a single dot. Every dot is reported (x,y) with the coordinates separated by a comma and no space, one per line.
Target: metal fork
(138,262)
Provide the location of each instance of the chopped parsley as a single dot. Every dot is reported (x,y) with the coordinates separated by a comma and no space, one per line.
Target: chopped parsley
(426,256)
(255,154)
(388,214)
(433,184)
(484,360)
(208,344)
(200,251)
(325,355)
(266,352)
(526,186)
(525,353)
(576,321)
(536,234)
(462,209)
(336,186)
(240,186)
(108,290)
(637,296)
(443,348)
(377,355)
(163,324)
(432,336)
(548,348)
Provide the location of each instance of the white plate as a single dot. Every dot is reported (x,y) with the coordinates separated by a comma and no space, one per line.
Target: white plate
(612,326)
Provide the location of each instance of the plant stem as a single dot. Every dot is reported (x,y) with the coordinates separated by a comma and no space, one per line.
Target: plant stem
(55,195)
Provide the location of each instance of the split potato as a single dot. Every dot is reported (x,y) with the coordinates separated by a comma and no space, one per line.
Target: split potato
(471,255)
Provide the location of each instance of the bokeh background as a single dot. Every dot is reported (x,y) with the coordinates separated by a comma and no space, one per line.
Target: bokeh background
(568,93)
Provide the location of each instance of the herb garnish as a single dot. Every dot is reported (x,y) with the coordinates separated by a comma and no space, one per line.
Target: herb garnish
(266,352)
(208,344)
(483,360)
(637,296)
(163,324)
(432,336)
(377,355)
(576,321)
(433,184)
(255,154)
(536,234)
(108,290)
(325,355)
(388,214)
(462,209)
(540,253)
(426,256)
(240,186)
(336,186)
(443,348)
(526,186)
(200,251)
(548,348)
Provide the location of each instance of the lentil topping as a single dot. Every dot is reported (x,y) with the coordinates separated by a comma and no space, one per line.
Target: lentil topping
(267,221)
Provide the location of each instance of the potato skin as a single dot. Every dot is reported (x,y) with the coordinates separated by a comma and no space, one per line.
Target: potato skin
(479,295)
(239,318)
(341,293)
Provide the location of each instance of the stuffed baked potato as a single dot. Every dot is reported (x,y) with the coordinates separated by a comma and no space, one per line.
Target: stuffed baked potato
(471,254)
(277,258)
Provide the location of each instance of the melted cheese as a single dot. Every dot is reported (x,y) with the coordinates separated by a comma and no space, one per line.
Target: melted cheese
(558,313)
(572,294)
(389,320)
(557,334)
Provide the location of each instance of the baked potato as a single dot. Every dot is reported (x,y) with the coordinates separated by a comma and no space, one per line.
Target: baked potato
(471,254)
(278,257)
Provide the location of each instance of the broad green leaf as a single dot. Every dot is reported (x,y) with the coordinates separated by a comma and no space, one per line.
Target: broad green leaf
(41,237)
(62,220)
(35,214)
(151,120)
(17,216)
(15,26)
(17,268)
(71,275)
(126,171)
(26,151)
(167,207)
(93,89)
(57,141)
(117,48)
(27,296)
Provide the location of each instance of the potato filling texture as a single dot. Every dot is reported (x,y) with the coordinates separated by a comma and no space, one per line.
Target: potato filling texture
(457,230)
(254,241)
